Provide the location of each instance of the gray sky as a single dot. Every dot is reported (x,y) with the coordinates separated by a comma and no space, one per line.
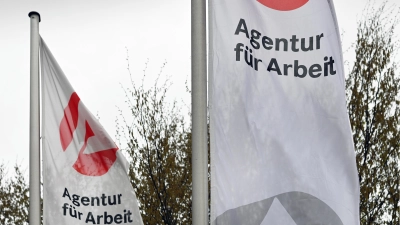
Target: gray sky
(89,40)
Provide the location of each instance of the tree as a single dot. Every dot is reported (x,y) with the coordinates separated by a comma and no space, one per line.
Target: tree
(159,140)
(159,146)
(14,201)
(374,107)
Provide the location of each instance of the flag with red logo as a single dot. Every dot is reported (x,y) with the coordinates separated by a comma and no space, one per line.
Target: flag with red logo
(84,173)
(281,143)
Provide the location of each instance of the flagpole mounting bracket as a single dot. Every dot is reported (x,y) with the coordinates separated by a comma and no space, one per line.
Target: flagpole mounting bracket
(34,13)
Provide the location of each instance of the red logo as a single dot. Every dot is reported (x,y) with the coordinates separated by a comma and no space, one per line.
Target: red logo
(93,164)
(283,5)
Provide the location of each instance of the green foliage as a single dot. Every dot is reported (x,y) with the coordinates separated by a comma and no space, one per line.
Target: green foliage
(160,150)
(374,107)
(14,201)
(159,140)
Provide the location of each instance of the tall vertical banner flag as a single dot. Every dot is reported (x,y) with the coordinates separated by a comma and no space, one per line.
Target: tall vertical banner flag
(84,174)
(281,143)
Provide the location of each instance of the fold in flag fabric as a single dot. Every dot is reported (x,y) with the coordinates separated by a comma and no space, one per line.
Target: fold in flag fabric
(84,174)
(281,143)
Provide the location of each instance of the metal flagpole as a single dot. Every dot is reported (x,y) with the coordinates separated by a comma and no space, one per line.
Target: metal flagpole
(199,114)
(34,128)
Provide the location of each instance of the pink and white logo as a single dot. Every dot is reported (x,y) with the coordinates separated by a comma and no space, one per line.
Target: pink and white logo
(283,5)
(91,164)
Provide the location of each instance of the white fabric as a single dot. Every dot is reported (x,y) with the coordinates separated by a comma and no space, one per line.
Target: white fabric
(62,183)
(277,213)
(279,135)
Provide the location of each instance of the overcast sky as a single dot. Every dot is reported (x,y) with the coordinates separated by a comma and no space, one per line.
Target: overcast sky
(90,39)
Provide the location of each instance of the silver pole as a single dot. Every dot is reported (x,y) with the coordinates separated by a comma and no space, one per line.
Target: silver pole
(199,115)
(34,128)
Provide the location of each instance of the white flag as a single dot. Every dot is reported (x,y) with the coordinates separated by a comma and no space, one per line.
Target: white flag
(84,174)
(281,143)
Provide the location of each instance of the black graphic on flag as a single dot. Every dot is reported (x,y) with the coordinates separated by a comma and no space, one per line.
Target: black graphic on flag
(304,209)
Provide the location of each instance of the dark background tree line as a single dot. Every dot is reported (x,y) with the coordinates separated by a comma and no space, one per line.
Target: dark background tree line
(159,138)
(373,101)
